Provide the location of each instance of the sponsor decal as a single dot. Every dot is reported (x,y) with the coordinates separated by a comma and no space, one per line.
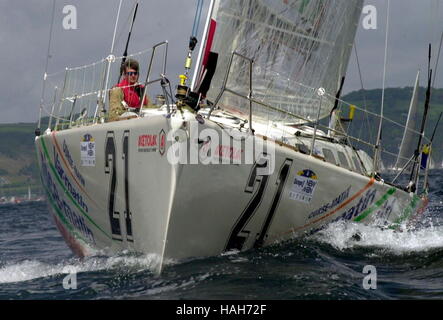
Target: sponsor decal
(65,193)
(162,141)
(65,212)
(228,153)
(64,178)
(72,163)
(325,216)
(365,201)
(152,142)
(148,143)
(384,212)
(304,185)
(87,151)
(220,153)
(331,205)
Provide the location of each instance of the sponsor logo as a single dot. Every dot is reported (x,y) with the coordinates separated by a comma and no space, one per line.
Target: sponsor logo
(304,185)
(72,163)
(63,176)
(87,138)
(148,143)
(87,151)
(365,201)
(331,205)
(152,142)
(220,153)
(62,206)
(228,152)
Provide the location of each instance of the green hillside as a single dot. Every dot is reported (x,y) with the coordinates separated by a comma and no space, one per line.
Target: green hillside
(18,165)
(396,107)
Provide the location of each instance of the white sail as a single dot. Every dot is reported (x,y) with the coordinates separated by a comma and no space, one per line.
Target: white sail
(410,134)
(296,45)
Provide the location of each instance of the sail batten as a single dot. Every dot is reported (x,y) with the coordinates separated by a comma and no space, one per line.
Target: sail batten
(296,45)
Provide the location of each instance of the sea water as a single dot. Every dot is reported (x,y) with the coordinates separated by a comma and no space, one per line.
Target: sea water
(35,263)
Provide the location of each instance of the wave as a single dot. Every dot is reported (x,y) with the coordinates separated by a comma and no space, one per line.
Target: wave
(33,269)
(348,235)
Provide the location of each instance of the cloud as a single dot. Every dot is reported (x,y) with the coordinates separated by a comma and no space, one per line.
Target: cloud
(412,26)
(24,30)
(24,33)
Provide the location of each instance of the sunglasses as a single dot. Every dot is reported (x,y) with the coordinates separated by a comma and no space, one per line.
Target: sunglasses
(132,73)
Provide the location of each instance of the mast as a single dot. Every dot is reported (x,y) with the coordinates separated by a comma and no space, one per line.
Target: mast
(429,159)
(412,186)
(125,53)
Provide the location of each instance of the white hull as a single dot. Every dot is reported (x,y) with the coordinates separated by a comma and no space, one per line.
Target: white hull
(194,210)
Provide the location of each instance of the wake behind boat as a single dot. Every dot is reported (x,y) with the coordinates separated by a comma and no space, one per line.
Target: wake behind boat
(238,159)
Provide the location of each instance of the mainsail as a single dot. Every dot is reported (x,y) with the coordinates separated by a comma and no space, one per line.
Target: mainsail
(296,45)
(410,134)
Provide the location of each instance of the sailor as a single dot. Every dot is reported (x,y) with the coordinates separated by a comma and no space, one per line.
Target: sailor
(126,95)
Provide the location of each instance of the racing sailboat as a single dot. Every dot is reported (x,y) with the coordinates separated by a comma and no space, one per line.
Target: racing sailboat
(238,159)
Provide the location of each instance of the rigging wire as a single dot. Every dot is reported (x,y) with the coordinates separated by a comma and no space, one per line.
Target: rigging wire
(364,95)
(134,15)
(115,27)
(46,68)
(438,58)
(377,145)
(436,23)
(110,58)
(126,23)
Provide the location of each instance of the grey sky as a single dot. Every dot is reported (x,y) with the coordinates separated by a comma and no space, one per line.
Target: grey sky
(413,25)
(24,30)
